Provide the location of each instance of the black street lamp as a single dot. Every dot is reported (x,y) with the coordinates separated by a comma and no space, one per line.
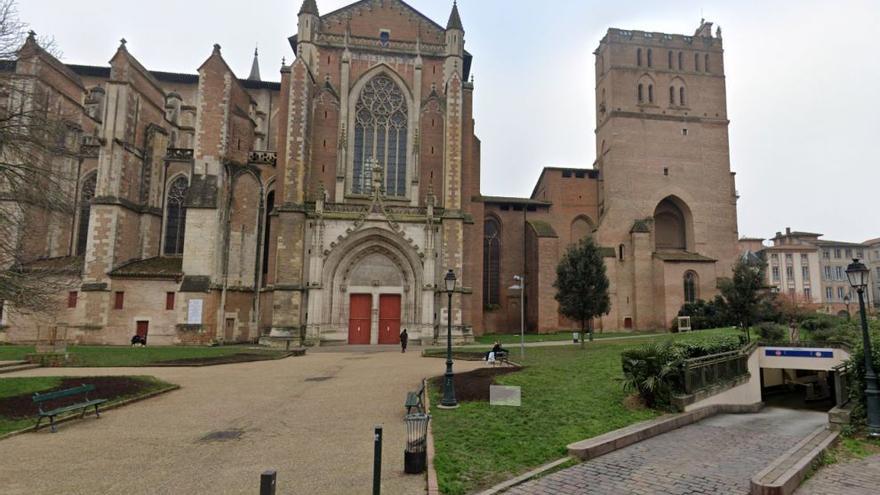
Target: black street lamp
(858,273)
(449,401)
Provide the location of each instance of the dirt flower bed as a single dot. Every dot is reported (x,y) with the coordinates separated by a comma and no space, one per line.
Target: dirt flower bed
(473,386)
(106,387)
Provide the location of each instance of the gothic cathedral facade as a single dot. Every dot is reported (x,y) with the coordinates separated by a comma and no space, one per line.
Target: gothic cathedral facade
(329,207)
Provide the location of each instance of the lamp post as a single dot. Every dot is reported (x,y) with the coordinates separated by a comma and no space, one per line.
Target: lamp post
(858,273)
(449,401)
(846,301)
(520,285)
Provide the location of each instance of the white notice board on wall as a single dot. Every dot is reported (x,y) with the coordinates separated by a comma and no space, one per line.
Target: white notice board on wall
(194,312)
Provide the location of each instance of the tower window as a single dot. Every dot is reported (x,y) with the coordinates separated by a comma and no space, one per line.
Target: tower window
(650,58)
(670,60)
(684,131)
(650,93)
(696,62)
(671,95)
(621,252)
(706,63)
(680,61)
(681,100)
(639,57)
(641,94)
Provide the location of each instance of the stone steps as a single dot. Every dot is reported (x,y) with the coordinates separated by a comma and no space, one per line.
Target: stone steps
(12,366)
(785,474)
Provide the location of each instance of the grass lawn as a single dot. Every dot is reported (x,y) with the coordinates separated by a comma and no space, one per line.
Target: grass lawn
(514,338)
(109,356)
(18,412)
(568,394)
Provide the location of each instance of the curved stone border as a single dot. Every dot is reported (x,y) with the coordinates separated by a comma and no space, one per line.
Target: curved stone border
(110,406)
(159,364)
(433,487)
(785,474)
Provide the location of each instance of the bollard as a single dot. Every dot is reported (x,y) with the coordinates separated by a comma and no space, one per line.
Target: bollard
(377,459)
(267,483)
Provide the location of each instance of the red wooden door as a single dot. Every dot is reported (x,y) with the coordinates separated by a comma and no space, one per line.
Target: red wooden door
(389,319)
(143,327)
(360,312)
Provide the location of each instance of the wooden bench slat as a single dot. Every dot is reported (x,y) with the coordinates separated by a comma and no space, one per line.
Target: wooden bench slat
(73,407)
(60,394)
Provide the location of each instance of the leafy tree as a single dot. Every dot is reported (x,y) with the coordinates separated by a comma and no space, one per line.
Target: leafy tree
(581,284)
(746,292)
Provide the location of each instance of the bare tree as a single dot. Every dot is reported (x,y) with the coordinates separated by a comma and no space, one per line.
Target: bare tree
(38,142)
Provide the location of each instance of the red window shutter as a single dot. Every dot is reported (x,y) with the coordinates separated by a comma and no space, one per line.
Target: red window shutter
(169,301)
(71,299)
(120,298)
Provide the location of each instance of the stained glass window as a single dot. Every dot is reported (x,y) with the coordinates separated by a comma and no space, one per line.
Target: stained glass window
(491,262)
(87,193)
(380,137)
(175,218)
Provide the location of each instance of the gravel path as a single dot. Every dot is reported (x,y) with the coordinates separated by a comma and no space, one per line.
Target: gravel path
(311,418)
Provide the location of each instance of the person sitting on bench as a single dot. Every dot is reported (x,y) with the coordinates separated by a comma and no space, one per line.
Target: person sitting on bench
(495,350)
(138,340)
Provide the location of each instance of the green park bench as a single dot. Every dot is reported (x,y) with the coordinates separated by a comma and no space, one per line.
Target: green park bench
(44,399)
(414,400)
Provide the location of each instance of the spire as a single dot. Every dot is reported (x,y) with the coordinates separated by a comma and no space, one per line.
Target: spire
(308,7)
(454,18)
(255,68)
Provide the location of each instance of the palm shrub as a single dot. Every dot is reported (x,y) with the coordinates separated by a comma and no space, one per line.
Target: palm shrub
(647,371)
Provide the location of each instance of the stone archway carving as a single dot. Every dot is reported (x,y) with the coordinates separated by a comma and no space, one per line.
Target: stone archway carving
(345,261)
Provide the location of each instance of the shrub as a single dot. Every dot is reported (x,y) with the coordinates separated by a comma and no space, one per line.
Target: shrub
(706,314)
(857,375)
(654,370)
(772,332)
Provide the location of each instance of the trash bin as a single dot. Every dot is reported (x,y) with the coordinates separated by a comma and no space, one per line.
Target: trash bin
(575,336)
(415,455)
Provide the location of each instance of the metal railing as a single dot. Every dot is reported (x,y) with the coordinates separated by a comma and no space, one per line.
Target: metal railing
(703,372)
(842,379)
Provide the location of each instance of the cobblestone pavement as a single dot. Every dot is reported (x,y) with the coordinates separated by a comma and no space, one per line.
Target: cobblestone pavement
(851,478)
(310,417)
(715,456)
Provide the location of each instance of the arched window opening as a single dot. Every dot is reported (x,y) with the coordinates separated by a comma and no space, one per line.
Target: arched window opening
(581,228)
(706,63)
(670,60)
(681,100)
(491,262)
(650,93)
(380,137)
(670,227)
(696,62)
(690,287)
(641,94)
(671,95)
(175,217)
(650,58)
(621,252)
(639,57)
(680,61)
(270,205)
(86,194)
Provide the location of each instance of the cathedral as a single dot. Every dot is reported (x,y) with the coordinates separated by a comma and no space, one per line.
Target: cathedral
(328,208)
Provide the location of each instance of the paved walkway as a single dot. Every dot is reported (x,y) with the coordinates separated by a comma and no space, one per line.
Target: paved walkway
(715,456)
(851,478)
(311,418)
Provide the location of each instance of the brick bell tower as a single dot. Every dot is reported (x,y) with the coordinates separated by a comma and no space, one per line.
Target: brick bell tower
(667,198)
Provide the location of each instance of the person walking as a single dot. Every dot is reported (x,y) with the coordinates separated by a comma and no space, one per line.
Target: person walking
(404,337)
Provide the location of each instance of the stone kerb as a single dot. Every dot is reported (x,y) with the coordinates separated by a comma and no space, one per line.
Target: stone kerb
(785,474)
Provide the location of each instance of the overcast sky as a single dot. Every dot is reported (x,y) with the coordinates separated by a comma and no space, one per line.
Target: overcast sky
(802,81)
